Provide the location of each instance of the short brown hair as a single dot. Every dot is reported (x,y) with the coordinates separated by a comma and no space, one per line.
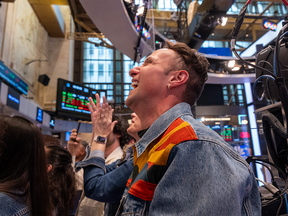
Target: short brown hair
(195,64)
(121,129)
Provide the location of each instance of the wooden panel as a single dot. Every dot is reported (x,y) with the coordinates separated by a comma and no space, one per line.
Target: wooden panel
(47,2)
(59,2)
(48,19)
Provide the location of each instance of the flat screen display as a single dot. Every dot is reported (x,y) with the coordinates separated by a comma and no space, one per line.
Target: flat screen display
(39,116)
(52,123)
(67,136)
(13,98)
(72,99)
(12,79)
(267,24)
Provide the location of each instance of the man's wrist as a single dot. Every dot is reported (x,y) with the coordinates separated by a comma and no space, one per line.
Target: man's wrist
(100,139)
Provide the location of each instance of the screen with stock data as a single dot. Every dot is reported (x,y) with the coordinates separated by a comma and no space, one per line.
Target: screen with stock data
(72,98)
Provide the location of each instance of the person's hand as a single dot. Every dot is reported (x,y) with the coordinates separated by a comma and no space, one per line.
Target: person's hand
(73,143)
(101,117)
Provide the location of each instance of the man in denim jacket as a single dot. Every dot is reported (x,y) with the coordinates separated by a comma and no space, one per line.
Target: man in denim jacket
(181,167)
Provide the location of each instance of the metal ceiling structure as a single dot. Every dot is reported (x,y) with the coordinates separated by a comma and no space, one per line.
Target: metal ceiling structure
(203,27)
(205,20)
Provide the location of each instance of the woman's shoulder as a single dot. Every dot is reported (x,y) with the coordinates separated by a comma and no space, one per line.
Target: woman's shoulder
(12,207)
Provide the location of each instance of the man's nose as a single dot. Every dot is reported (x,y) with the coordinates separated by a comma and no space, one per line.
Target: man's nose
(134,71)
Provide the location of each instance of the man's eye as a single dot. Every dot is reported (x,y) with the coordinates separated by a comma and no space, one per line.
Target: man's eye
(148,62)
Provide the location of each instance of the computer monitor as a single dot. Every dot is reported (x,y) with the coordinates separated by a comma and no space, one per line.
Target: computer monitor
(72,99)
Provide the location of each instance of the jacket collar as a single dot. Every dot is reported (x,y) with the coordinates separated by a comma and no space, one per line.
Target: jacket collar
(114,155)
(161,125)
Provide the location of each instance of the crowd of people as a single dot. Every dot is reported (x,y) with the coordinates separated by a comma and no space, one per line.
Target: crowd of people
(164,163)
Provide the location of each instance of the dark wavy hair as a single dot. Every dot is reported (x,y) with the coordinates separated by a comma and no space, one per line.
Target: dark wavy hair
(50,140)
(121,129)
(23,165)
(61,178)
(195,64)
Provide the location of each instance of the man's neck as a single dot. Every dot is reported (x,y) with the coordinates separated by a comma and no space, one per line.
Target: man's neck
(149,114)
(109,149)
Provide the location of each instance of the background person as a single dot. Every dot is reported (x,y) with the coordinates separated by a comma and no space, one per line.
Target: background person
(23,169)
(116,140)
(61,179)
(50,140)
(107,183)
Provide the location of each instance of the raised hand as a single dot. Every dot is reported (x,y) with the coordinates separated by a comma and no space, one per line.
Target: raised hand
(73,143)
(101,116)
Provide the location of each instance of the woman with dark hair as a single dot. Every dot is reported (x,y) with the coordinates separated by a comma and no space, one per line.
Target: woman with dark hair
(23,169)
(61,179)
(50,140)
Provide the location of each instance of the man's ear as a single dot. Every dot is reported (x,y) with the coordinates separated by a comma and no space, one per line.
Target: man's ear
(83,151)
(179,78)
(49,168)
(118,136)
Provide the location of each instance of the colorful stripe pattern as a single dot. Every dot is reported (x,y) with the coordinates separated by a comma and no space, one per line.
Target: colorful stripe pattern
(151,165)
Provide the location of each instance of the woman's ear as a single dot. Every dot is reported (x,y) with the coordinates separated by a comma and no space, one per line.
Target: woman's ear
(49,168)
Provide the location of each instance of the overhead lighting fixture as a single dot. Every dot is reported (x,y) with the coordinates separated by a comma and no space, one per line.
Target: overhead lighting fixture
(231,63)
(212,34)
(224,20)
(217,119)
(235,68)
(140,11)
(250,67)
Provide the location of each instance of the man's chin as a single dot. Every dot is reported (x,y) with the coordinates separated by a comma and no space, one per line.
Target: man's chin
(132,101)
(128,102)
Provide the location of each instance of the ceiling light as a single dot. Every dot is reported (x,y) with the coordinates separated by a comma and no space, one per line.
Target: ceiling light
(224,20)
(247,35)
(250,67)
(231,63)
(235,68)
(213,34)
(202,119)
(140,11)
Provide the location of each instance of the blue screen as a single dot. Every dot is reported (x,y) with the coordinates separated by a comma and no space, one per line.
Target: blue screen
(67,136)
(39,116)
(10,77)
(52,122)
(13,98)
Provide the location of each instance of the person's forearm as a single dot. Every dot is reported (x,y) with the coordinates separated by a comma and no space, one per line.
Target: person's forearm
(106,187)
(98,146)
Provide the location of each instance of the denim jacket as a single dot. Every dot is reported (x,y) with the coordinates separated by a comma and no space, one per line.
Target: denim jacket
(105,183)
(200,174)
(12,207)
